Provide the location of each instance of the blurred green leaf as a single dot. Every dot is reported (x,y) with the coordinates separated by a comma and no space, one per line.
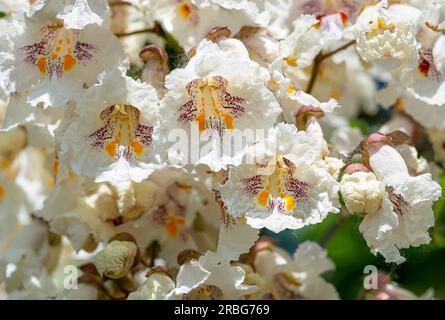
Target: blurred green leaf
(423,270)
(438,233)
(135,72)
(176,55)
(346,248)
(360,124)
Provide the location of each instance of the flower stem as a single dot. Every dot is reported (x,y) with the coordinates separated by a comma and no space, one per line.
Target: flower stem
(319,59)
(333,228)
(131,33)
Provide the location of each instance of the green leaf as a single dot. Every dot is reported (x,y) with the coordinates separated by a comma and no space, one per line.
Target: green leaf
(134,72)
(423,270)
(177,57)
(438,233)
(360,124)
(346,248)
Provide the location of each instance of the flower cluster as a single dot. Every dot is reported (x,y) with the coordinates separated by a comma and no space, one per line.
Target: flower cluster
(150,144)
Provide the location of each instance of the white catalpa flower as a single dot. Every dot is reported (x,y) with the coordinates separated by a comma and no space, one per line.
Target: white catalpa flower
(157,287)
(310,110)
(219,90)
(281,15)
(189,20)
(356,96)
(303,44)
(56,51)
(147,144)
(34,175)
(286,189)
(77,13)
(291,70)
(362,192)
(406,211)
(133,198)
(262,47)
(387,33)
(297,277)
(24,265)
(114,136)
(11,144)
(249,8)
(212,276)
(334,18)
(10,29)
(333,15)
(428,114)
(82,211)
(13,202)
(183,216)
(416,164)
(424,86)
(40,123)
(13,8)
(420,88)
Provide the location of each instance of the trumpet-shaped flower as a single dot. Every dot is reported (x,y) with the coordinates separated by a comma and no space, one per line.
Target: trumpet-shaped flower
(283,190)
(56,51)
(405,214)
(115,132)
(218,94)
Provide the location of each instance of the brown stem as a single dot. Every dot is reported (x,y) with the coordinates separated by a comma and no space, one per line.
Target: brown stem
(156,29)
(131,33)
(317,63)
(333,228)
(314,73)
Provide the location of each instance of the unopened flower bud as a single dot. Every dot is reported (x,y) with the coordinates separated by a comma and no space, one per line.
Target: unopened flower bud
(355,167)
(362,192)
(116,260)
(376,137)
(217,33)
(398,137)
(204,292)
(263,243)
(305,113)
(156,66)
(373,143)
(187,255)
(156,287)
